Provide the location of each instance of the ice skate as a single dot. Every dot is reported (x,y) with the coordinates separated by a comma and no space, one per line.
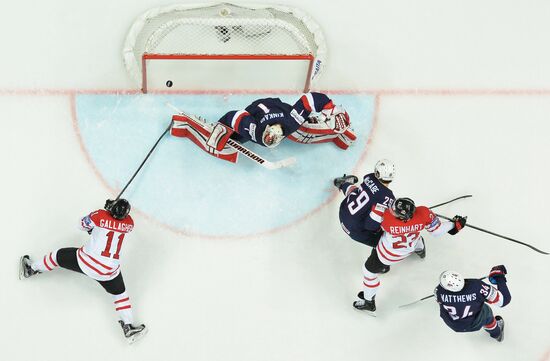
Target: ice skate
(25,269)
(345,178)
(421,253)
(500,324)
(365,305)
(131,332)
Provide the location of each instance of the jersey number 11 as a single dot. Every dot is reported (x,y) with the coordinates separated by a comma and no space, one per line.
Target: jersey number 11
(106,251)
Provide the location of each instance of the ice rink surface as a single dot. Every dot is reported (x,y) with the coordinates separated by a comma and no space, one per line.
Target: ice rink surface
(456,93)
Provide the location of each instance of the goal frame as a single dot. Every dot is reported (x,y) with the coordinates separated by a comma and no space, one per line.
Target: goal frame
(136,64)
(147,56)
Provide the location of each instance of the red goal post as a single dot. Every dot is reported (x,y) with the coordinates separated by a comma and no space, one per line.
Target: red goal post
(224,47)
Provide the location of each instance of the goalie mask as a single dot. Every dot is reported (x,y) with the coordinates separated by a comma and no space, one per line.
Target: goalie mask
(273,135)
(118,208)
(451,281)
(403,208)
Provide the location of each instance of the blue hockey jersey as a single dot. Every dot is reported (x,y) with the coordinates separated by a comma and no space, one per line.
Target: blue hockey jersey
(363,207)
(460,310)
(250,123)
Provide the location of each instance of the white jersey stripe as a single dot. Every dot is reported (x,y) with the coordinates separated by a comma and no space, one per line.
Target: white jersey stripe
(237,115)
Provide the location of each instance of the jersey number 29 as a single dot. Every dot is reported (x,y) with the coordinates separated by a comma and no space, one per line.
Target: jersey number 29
(359,202)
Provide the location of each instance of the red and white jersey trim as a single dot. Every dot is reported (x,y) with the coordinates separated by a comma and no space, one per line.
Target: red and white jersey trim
(495,297)
(309,103)
(94,268)
(388,257)
(236,121)
(377,212)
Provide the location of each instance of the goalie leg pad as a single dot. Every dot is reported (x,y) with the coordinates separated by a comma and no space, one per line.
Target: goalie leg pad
(199,133)
(219,136)
(320,133)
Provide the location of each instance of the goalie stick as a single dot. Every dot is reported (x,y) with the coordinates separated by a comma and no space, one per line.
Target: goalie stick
(245,151)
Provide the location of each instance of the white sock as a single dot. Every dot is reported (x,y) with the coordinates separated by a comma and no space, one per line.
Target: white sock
(370,284)
(47,263)
(123,307)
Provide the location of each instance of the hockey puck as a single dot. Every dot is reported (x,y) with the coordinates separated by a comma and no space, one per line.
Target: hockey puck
(169,83)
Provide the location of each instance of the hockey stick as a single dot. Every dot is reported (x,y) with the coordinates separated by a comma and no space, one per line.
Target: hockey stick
(245,151)
(452,200)
(142,163)
(497,235)
(426,297)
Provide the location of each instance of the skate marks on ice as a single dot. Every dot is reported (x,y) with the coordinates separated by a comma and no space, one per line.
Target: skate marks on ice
(196,194)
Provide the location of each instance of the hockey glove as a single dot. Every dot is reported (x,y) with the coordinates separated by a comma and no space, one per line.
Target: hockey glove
(459,223)
(108,204)
(497,274)
(345,179)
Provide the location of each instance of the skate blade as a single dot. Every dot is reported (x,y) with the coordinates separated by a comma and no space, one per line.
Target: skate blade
(21,269)
(370,313)
(137,336)
(501,338)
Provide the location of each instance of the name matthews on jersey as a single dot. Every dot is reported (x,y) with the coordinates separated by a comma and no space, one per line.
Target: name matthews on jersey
(115,226)
(458,298)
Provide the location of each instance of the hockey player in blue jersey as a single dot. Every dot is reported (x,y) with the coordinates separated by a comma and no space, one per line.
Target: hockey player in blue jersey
(464,303)
(363,206)
(314,118)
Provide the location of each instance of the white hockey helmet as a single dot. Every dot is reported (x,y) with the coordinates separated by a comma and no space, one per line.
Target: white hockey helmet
(273,135)
(384,170)
(451,281)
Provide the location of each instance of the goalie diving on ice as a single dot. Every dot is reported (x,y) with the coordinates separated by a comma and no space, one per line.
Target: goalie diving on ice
(312,119)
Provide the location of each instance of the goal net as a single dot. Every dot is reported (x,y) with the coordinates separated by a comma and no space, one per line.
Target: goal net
(224,47)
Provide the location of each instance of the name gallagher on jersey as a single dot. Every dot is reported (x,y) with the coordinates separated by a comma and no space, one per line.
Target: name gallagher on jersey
(115,226)
(414,228)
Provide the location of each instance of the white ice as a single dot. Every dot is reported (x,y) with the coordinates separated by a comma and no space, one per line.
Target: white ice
(478,125)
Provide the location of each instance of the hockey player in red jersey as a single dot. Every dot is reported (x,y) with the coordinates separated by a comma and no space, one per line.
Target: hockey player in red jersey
(402,224)
(99,259)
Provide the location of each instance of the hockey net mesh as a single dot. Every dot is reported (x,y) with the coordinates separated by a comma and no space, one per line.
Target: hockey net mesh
(222,29)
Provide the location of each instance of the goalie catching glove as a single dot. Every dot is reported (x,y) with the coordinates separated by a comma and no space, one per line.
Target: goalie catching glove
(335,117)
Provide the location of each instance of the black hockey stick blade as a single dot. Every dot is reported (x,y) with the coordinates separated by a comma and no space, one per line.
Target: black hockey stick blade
(452,200)
(498,235)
